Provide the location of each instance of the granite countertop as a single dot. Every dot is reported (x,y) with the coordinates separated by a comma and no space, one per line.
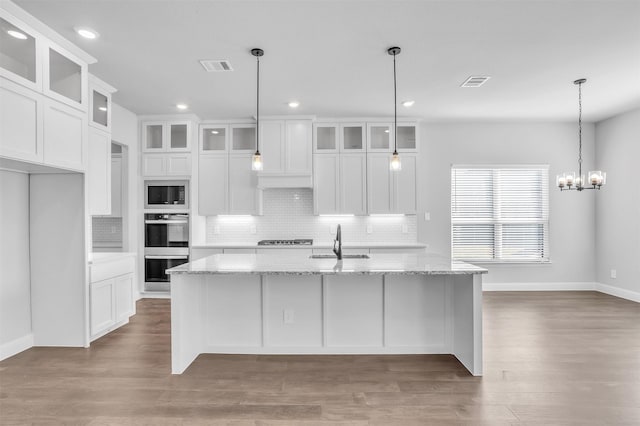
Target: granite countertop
(302,264)
(100,257)
(315,245)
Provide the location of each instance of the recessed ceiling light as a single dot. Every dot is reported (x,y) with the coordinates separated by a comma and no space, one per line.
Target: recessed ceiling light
(102,108)
(214,132)
(408,103)
(182,106)
(294,104)
(17,34)
(87,33)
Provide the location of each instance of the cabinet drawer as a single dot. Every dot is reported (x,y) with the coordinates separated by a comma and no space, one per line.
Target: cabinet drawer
(106,270)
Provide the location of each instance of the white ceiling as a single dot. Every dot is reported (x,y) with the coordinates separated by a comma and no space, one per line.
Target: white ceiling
(331,56)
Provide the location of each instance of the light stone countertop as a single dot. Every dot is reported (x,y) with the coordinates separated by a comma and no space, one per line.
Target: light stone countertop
(315,245)
(293,264)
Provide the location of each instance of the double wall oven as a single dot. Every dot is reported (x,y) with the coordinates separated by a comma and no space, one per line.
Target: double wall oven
(166,231)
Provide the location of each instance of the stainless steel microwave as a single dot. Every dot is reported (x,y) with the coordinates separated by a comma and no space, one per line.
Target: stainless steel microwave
(166,194)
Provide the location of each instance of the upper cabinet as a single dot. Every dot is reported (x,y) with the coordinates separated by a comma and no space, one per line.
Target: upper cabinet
(19,58)
(380,137)
(166,136)
(100,103)
(345,137)
(65,77)
(286,148)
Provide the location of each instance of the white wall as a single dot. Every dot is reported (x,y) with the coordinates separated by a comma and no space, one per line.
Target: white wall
(618,203)
(15,293)
(572,217)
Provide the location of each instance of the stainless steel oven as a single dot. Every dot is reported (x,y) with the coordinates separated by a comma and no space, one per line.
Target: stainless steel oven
(166,244)
(166,194)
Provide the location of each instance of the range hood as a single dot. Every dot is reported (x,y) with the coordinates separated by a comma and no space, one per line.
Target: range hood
(268,180)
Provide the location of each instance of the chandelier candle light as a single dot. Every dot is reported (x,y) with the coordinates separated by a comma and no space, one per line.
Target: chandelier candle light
(569,180)
(256,159)
(395,164)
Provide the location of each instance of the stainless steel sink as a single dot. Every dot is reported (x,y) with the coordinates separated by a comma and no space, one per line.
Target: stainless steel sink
(344,256)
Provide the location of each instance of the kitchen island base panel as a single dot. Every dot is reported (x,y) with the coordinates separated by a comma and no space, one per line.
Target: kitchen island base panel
(326,314)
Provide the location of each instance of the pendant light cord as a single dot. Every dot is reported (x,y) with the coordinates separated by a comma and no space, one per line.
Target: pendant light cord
(580,133)
(395,109)
(258,106)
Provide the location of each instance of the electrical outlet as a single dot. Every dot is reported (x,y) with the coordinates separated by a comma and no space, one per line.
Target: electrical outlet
(113,229)
(405,229)
(288,316)
(369,229)
(253,229)
(614,274)
(427,216)
(216,230)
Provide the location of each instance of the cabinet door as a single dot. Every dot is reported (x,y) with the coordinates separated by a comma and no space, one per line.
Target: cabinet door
(102,306)
(19,54)
(153,137)
(407,138)
(65,77)
(179,136)
(243,183)
(116,186)
(178,164)
(405,185)
(298,147)
(64,135)
(214,139)
(379,200)
(243,139)
(272,146)
(352,137)
(212,185)
(99,172)
(99,104)
(379,137)
(353,183)
(123,295)
(326,187)
(325,137)
(20,122)
(154,165)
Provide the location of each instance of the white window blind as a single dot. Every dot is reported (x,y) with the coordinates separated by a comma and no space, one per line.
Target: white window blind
(500,214)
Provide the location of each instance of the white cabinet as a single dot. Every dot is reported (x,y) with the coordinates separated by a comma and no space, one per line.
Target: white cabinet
(391,192)
(21,122)
(100,103)
(166,136)
(65,135)
(65,77)
(380,137)
(339,137)
(213,184)
(166,165)
(340,184)
(99,172)
(286,148)
(20,58)
(243,183)
(116,186)
(111,300)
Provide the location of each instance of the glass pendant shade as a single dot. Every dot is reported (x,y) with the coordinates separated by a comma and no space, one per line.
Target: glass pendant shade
(395,164)
(256,162)
(597,178)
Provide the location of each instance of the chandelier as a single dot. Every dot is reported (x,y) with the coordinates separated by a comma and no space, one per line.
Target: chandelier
(570,180)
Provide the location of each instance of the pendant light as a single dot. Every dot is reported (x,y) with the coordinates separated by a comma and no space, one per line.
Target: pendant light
(256,159)
(395,164)
(570,180)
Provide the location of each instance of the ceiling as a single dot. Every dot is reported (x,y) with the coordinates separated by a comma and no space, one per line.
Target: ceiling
(331,56)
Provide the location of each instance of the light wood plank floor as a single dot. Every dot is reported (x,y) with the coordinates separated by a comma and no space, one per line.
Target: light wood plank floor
(561,358)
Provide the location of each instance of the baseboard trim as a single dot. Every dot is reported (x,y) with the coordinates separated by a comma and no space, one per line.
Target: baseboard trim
(618,292)
(551,286)
(16,346)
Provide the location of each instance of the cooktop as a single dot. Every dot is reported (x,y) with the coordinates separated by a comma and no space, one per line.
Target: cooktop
(298,242)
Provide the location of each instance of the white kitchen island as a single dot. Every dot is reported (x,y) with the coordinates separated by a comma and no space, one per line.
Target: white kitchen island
(292,304)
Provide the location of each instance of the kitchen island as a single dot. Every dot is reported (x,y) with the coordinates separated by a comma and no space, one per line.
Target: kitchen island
(294,304)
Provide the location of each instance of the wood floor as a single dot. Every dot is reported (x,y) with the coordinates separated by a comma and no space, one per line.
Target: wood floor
(561,358)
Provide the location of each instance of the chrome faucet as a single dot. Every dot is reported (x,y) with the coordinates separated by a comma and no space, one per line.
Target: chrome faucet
(338,240)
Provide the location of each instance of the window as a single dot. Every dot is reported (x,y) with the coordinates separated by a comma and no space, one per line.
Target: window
(500,214)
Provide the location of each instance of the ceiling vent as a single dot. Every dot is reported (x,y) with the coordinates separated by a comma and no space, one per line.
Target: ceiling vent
(216,65)
(475,81)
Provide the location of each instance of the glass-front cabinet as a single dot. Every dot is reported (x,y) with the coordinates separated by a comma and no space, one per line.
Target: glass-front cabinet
(65,77)
(100,103)
(19,59)
(243,138)
(166,136)
(380,137)
(352,137)
(214,138)
(344,137)
(325,138)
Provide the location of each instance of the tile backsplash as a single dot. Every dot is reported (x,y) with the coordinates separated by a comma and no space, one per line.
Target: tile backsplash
(106,231)
(288,214)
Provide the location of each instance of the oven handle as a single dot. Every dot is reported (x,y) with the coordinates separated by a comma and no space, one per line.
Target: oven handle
(162,222)
(165,257)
